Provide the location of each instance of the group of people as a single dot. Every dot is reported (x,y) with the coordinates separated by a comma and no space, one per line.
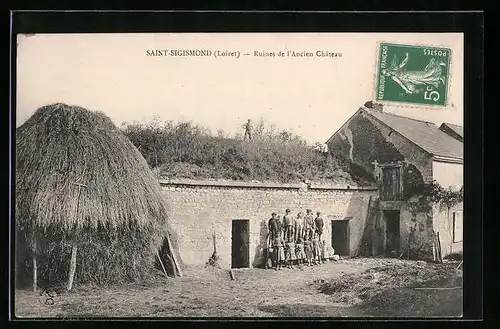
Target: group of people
(296,240)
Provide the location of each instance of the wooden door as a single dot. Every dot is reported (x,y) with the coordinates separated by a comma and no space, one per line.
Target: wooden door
(391,184)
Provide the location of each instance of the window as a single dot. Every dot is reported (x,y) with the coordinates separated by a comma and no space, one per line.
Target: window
(457,226)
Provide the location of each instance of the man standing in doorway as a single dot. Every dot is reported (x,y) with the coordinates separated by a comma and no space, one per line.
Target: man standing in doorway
(248,129)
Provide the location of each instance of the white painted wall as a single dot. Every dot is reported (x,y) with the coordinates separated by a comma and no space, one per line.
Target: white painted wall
(448,174)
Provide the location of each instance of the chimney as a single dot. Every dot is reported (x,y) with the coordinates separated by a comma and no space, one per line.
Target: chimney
(369,104)
(378,107)
(374,106)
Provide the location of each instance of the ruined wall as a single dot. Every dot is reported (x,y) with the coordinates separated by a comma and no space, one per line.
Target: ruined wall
(364,140)
(200,208)
(419,218)
(413,216)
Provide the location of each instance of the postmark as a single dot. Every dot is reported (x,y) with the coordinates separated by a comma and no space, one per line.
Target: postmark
(47,297)
(413,74)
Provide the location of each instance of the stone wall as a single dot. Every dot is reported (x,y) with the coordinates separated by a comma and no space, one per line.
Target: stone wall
(364,139)
(198,209)
(412,217)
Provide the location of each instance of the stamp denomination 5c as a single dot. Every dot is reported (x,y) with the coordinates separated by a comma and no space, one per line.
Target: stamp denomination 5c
(413,74)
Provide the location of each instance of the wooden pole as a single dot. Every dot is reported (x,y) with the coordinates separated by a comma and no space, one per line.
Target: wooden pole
(72,266)
(215,246)
(439,248)
(172,252)
(35,268)
(433,247)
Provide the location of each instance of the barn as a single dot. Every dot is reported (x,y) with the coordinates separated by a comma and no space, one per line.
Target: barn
(399,153)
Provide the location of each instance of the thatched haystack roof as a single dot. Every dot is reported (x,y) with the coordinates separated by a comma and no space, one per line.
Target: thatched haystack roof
(60,146)
(78,178)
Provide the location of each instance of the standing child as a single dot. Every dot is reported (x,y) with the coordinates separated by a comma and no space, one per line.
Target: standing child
(324,251)
(290,253)
(269,252)
(330,252)
(299,251)
(308,250)
(316,249)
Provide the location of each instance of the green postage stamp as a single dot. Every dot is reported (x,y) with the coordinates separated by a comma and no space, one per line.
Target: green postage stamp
(413,74)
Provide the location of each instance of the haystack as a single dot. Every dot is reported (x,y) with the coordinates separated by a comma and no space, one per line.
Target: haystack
(88,207)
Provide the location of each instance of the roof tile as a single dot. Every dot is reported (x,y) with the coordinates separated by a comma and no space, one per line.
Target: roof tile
(425,134)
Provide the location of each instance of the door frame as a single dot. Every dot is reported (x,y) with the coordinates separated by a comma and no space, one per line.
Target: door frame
(247,253)
(384,243)
(348,234)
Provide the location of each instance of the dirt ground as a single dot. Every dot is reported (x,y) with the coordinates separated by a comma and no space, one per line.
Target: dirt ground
(210,292)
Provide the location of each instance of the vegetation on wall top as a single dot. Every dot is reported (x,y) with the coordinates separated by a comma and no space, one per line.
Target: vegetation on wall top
(187,150)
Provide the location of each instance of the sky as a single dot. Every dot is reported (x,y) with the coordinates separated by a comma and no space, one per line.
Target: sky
(311,96)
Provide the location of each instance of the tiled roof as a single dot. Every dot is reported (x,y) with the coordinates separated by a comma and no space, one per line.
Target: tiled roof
(424,134)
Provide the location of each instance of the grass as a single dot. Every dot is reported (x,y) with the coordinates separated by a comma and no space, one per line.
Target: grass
(187,150)
(393,290)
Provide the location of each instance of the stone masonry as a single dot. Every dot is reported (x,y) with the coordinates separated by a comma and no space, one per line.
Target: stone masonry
(199,209)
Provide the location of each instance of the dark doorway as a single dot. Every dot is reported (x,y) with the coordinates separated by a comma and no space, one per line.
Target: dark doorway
(340,237)
(240,255)
(392,235)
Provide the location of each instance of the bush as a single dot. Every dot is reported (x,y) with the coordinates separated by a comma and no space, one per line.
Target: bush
(186,150)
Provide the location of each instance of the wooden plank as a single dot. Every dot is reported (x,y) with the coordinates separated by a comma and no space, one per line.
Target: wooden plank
(161,263)
(172,252)
(395,183)
(401,182)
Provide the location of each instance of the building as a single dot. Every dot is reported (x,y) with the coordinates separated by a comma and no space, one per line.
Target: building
(399,154)
(395,153)
(237,214)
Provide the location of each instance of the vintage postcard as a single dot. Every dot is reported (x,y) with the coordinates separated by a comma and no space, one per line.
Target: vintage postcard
(181,175)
